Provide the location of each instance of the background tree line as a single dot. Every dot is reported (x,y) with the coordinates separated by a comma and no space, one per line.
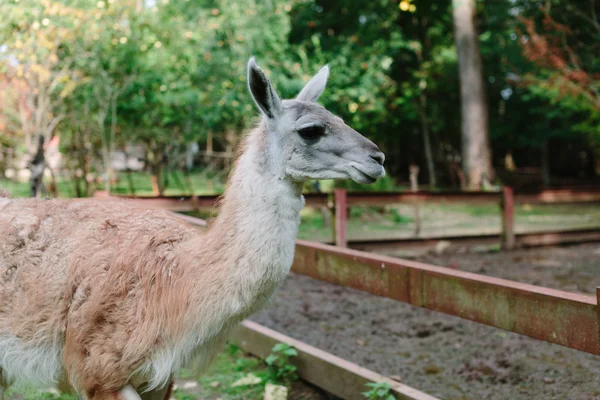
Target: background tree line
(102,75)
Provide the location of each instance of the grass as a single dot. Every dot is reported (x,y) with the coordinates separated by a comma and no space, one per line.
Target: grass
(228,367)
(217,382)
(22,189)
(33,393)
(233,365)
(197,182)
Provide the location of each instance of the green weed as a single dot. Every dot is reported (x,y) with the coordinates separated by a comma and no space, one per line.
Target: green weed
(280,370)
(379,391)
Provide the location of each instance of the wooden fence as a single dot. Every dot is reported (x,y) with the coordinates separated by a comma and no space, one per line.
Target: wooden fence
(564,318)
(341,200)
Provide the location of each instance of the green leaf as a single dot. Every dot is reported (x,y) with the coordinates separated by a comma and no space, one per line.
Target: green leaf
(280,347)
(271,359)
(291,352)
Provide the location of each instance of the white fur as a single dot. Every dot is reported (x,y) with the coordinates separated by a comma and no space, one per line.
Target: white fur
(255,276)
(129,393)
(315,86)
(39,364)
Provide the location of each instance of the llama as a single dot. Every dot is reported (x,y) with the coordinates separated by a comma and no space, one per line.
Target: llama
(108,300)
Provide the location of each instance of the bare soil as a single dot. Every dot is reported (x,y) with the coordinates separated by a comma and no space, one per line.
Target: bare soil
(443,355)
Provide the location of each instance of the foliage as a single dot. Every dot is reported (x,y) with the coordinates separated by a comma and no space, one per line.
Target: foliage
(567,73)
(379,391)
(106,75)
(280,370)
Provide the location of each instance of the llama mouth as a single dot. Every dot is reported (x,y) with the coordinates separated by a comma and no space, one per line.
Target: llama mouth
(363,177)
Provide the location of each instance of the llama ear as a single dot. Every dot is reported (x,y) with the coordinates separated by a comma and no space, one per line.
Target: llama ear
(315,86)
(262,91)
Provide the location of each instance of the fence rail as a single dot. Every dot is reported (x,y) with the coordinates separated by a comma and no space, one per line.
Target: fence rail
(340,200)
(564,318)
(521,240)
(576,194)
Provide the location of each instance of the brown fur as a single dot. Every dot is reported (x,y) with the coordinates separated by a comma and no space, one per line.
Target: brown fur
(112,304)
(116,282)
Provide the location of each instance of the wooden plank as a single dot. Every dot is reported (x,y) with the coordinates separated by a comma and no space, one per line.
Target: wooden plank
(545,196)
(532,239)
(332,374)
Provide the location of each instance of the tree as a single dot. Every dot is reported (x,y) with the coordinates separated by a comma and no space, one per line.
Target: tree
(475,139)
(34,53)
(568,72)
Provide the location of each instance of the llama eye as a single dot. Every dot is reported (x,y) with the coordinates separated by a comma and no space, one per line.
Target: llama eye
(312,132)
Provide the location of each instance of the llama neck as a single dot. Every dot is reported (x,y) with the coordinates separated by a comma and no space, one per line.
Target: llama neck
(259,217)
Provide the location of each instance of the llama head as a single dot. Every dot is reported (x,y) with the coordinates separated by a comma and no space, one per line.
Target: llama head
(308,142)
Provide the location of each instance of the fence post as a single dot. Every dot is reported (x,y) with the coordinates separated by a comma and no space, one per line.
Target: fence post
(340,218)
(507,205)
(414,186)
(598,312)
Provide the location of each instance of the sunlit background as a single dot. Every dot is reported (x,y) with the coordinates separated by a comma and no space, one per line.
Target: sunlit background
(158,87)
(467,99)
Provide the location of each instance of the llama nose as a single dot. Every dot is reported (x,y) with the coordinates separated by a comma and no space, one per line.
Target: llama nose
(378,157)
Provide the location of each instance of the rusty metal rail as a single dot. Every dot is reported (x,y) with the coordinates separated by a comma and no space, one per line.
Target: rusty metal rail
(555,316)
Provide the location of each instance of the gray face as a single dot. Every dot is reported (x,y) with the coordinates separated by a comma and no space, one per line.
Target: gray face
(314,143)
(319,145)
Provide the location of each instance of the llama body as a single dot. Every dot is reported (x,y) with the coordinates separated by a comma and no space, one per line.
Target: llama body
(96,281)
(107,298)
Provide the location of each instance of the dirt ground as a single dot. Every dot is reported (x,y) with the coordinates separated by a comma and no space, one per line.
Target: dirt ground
(442,355)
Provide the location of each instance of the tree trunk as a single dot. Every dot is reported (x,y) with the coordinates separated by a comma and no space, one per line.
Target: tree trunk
(37,167)
(209,143)
(475,139)
(157,187)
(76,184)
(414,186)
(107,168)
(545,164)
(53,189)
(156,170)
(130,185)
(427,141)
